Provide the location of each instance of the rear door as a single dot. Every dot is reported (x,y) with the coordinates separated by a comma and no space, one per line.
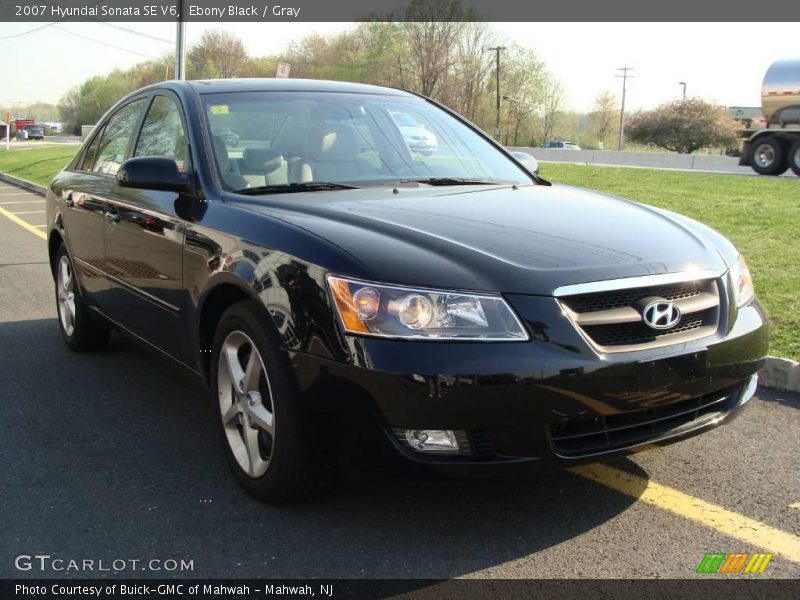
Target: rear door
(144,239)
(85,194)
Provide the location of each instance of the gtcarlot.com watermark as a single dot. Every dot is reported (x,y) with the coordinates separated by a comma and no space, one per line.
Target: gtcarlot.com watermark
(47,563)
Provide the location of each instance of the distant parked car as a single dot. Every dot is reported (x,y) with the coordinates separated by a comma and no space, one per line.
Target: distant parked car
(562,145)
(35,132)
(526,160)
(415,135)
(227,136)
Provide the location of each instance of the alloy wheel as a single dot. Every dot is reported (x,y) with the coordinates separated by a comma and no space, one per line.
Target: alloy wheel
(65,289)
(245,403)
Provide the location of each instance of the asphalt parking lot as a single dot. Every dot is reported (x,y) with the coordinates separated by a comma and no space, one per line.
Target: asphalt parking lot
(115,456)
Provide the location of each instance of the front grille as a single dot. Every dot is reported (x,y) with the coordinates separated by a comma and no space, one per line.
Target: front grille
(619,298)
(612,320)
(588,437)
(624,334)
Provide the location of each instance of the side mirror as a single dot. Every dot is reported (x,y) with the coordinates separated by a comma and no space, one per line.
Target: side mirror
(152,173)
(527,161)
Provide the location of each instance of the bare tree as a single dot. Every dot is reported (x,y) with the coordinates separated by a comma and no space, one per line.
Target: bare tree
(431,34)
(552,104)
(472,67)
(218,54)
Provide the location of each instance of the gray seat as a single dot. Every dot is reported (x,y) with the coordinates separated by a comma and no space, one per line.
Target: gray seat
(231,178)
(264,166)
(331,155)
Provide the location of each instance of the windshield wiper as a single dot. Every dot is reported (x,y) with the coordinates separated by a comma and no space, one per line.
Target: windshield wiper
(290,188)
(449,181)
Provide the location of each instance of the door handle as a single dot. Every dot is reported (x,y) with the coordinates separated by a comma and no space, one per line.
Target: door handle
(112,217)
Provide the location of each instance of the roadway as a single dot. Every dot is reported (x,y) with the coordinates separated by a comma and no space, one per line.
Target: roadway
(115,456)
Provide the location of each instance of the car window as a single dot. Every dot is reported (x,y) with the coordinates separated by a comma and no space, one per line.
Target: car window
(115,137)
(162,132)
(91,153)
(349,138)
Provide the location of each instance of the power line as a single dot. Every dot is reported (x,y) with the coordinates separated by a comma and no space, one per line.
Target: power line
(133,31)
(88,39)
(22,34)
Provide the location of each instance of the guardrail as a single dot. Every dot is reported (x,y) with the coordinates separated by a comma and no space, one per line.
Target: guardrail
(659,160)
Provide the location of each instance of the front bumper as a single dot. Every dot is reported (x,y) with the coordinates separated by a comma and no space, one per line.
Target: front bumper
(550,401)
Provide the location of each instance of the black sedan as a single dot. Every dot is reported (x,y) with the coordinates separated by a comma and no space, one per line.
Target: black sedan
(345,299)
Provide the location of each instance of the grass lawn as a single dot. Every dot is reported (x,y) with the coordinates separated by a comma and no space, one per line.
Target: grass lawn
(36,164)
(761,215)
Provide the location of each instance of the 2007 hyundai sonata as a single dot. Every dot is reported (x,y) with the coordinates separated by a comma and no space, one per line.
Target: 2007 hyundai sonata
(347,297)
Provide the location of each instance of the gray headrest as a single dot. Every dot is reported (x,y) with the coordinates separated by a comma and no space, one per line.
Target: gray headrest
(334,143)
(221,153)
(265,160)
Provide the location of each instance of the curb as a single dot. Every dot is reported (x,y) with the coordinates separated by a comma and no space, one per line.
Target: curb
(24,184)
(778,373)
(781,374)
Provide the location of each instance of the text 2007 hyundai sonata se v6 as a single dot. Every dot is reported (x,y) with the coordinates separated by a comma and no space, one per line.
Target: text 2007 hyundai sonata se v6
(346,297)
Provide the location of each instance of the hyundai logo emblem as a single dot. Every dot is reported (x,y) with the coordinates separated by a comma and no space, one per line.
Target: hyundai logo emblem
(661,314)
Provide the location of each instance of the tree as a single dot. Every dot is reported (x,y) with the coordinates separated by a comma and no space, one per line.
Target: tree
(552,105)
(431,33)
(523,81)
(604,116)
(218,54)
(683,126)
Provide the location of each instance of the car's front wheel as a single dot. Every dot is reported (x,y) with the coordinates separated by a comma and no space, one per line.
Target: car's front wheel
(265,426)
(79,329)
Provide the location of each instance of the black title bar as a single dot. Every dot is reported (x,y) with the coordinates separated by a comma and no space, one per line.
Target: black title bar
(268,11)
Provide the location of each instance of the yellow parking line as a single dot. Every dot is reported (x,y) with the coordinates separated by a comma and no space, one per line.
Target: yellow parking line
(795,505)
(22,223)
(28,212)
(40,226)
(711,515)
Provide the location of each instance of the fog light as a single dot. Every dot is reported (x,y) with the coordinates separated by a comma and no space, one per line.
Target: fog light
(432,440)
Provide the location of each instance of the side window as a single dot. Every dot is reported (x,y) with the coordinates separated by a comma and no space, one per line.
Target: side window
(162,132)
(91,153)
(115,138)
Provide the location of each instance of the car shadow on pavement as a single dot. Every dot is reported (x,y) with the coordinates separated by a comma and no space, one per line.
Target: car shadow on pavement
(116,455)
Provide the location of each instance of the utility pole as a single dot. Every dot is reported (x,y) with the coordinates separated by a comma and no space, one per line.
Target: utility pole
(683,83)
(497,50)
(625,78)
(180,42)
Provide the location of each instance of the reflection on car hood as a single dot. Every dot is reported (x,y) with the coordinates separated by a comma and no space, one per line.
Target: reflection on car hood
(497,238)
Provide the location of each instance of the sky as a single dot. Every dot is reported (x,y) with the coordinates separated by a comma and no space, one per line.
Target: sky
(712,58)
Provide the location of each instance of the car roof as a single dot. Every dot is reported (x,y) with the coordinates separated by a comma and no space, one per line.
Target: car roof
(215,86)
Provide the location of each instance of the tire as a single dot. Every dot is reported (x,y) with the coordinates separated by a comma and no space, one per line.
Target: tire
(80,330)
(768,156)
(265,427)
(794,158)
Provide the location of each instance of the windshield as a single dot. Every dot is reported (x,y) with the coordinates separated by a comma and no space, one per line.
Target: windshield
(294,139)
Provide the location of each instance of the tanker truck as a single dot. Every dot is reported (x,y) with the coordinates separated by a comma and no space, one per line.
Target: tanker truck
(773,150)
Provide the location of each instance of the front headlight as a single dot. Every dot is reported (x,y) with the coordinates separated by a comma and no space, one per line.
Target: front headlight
(402,312)
(742,283)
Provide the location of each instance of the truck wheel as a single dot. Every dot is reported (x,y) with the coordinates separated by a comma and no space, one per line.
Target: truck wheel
(794,158)
(768,156)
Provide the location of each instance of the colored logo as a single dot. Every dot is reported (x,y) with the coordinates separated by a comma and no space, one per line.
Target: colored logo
(736,562)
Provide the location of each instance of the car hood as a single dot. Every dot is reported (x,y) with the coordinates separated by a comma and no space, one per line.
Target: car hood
(527,239)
